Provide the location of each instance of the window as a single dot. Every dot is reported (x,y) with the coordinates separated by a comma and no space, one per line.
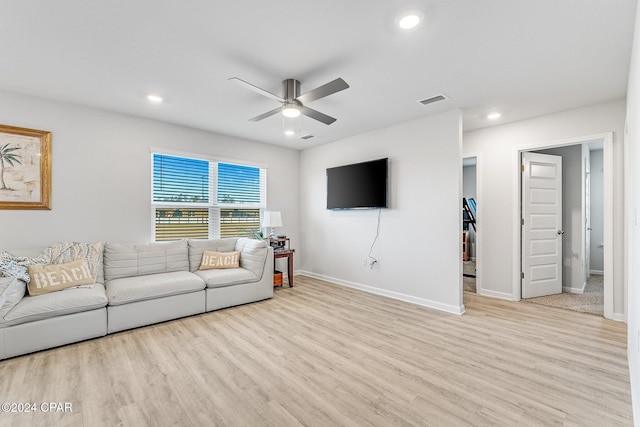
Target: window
(204,198)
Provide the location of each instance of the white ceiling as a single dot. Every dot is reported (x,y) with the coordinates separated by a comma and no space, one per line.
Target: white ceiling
(522,58)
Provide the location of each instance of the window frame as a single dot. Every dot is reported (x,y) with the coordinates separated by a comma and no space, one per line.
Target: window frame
(213,207)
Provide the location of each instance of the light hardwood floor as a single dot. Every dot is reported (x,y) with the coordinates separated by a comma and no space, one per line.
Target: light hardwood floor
(322,355)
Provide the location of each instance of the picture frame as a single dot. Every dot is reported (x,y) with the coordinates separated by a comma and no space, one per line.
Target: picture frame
(25,168)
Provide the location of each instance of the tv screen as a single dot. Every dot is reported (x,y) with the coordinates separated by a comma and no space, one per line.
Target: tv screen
(358,186)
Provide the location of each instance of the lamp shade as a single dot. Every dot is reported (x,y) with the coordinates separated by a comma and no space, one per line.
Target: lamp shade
(271,219)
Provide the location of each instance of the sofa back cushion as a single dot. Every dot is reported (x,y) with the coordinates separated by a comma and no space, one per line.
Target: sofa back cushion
(197,246)
(253,254)
(130,259)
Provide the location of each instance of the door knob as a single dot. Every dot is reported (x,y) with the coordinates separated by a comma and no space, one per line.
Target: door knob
(560,231)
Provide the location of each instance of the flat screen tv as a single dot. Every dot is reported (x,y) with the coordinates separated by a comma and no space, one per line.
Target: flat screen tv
(358,186)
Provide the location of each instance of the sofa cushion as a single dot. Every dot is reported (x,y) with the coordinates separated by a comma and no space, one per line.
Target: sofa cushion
(253,254)
(130,289)
(197,246)
(70,251)
(16,266)
(226,277)
(12,291)
(55,304)
(128,260)
(56,277)
(219,260)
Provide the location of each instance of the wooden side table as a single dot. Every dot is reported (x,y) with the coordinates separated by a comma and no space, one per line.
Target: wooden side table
(288,254)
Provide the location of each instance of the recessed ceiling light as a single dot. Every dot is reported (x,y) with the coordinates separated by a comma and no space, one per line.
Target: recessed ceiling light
(289,132)
(409,22)
(494,116)
(154,98)
(410,19)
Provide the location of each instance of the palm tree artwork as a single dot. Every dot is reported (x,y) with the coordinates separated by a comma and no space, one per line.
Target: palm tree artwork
(7,157)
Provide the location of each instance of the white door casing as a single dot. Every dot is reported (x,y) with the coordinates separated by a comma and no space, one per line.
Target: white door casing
(586,158)
(542,225)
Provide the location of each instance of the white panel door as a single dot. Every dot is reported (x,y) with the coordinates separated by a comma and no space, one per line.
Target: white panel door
(542,225)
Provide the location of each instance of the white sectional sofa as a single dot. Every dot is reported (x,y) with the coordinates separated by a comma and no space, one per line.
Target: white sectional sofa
(137,285)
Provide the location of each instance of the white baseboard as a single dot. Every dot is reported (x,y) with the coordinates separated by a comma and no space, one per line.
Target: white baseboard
(598,272)
(389,294)
(495,294)
(619,317)
(578,291)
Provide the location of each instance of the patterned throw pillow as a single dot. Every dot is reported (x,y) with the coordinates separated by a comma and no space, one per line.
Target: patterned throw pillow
(56,277)
(212,260)
(16,266)
(71,251)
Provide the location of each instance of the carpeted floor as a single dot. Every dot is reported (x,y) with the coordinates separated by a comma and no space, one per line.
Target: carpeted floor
(592,301)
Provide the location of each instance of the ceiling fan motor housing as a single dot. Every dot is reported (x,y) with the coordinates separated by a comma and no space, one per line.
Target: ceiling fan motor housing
(290,90)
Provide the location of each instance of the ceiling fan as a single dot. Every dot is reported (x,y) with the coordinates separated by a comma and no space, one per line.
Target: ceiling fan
(293,103)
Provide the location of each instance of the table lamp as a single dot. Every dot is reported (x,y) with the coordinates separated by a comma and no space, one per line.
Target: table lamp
(271,219)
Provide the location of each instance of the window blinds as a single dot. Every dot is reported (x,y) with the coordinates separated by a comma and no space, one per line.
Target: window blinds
(199,198)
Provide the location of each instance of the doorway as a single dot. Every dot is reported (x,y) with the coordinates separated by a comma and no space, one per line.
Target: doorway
(470,225)
(585,228)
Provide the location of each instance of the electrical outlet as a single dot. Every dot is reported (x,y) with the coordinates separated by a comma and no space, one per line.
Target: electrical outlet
(567,262)
(377,268)
(374,264)
(364,261)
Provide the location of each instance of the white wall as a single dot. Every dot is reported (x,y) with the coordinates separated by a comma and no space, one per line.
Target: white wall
(469,181)
(633,206)
(596,261)
(419,243)
(573,277)
(101,173)
(498,177)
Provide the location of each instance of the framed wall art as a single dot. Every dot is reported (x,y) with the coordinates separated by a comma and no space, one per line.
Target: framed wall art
(25,168)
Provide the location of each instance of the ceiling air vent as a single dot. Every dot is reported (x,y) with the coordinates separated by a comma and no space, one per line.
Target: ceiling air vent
(307,136)
(437,98)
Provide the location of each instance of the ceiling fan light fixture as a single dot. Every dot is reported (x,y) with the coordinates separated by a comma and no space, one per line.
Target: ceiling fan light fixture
(291,126)
(291,110)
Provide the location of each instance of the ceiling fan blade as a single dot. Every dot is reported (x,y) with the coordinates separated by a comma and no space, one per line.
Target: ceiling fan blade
(256,89)
(265,115)
(325,90)
(317,115)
